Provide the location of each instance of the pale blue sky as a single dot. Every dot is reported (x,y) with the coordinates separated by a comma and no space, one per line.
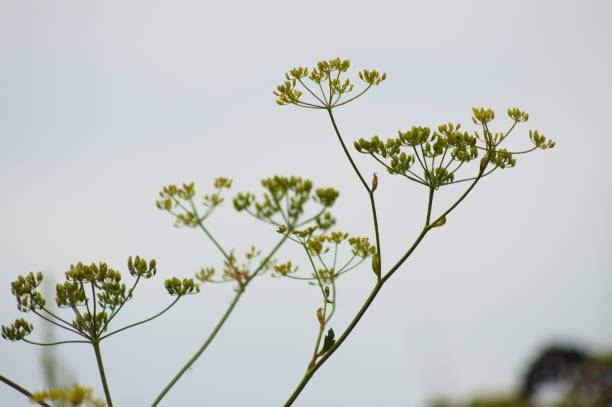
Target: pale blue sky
(103,103)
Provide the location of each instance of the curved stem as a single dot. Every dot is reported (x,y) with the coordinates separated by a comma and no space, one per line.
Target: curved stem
(21,389)
(51,343)
(365,185)
(70,328)
(143,321)
(348,155)
(524,151)
(96,345)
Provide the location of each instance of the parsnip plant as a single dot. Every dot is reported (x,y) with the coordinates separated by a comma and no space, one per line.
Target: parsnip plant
(296,212)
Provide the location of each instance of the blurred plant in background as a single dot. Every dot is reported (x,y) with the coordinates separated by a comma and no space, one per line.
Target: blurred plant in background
(560,376)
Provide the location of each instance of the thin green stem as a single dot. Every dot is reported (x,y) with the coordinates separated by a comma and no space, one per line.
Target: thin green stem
(406,255)
(462,197)
(345,334)
(311,218)
(416,154)
(335,257)
(365,185)
(68,328)
(355,320)
(87,303)
(429,203)
(21,389)
(281,209)
(417,179)
(270,221)
(56,317)
(268,257)
(52,343)
(308,105)
(354,97)
(116,311)
(324,95)
(425,163)
(508,132)
(201,349)
(143,321)
(333,301)
(214,332)
(456,169)
(217,245)
(472,178)
(346,152)
(344,270)
(341,269)
(93,296)
(319,335)
(524,151)
(312,93)
(314,268)
(96,345)
(376,231)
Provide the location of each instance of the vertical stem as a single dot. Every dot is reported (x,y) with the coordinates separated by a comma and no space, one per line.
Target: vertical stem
(376,232)
(96,344)
(429,202)
(320,334)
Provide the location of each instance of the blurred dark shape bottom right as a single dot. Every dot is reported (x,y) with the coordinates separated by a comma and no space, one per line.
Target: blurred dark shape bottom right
(559,376)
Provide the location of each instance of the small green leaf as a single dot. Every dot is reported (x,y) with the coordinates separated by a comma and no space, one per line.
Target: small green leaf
(329,341)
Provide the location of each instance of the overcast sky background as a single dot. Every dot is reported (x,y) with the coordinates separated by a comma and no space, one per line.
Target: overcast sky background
(103,103)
